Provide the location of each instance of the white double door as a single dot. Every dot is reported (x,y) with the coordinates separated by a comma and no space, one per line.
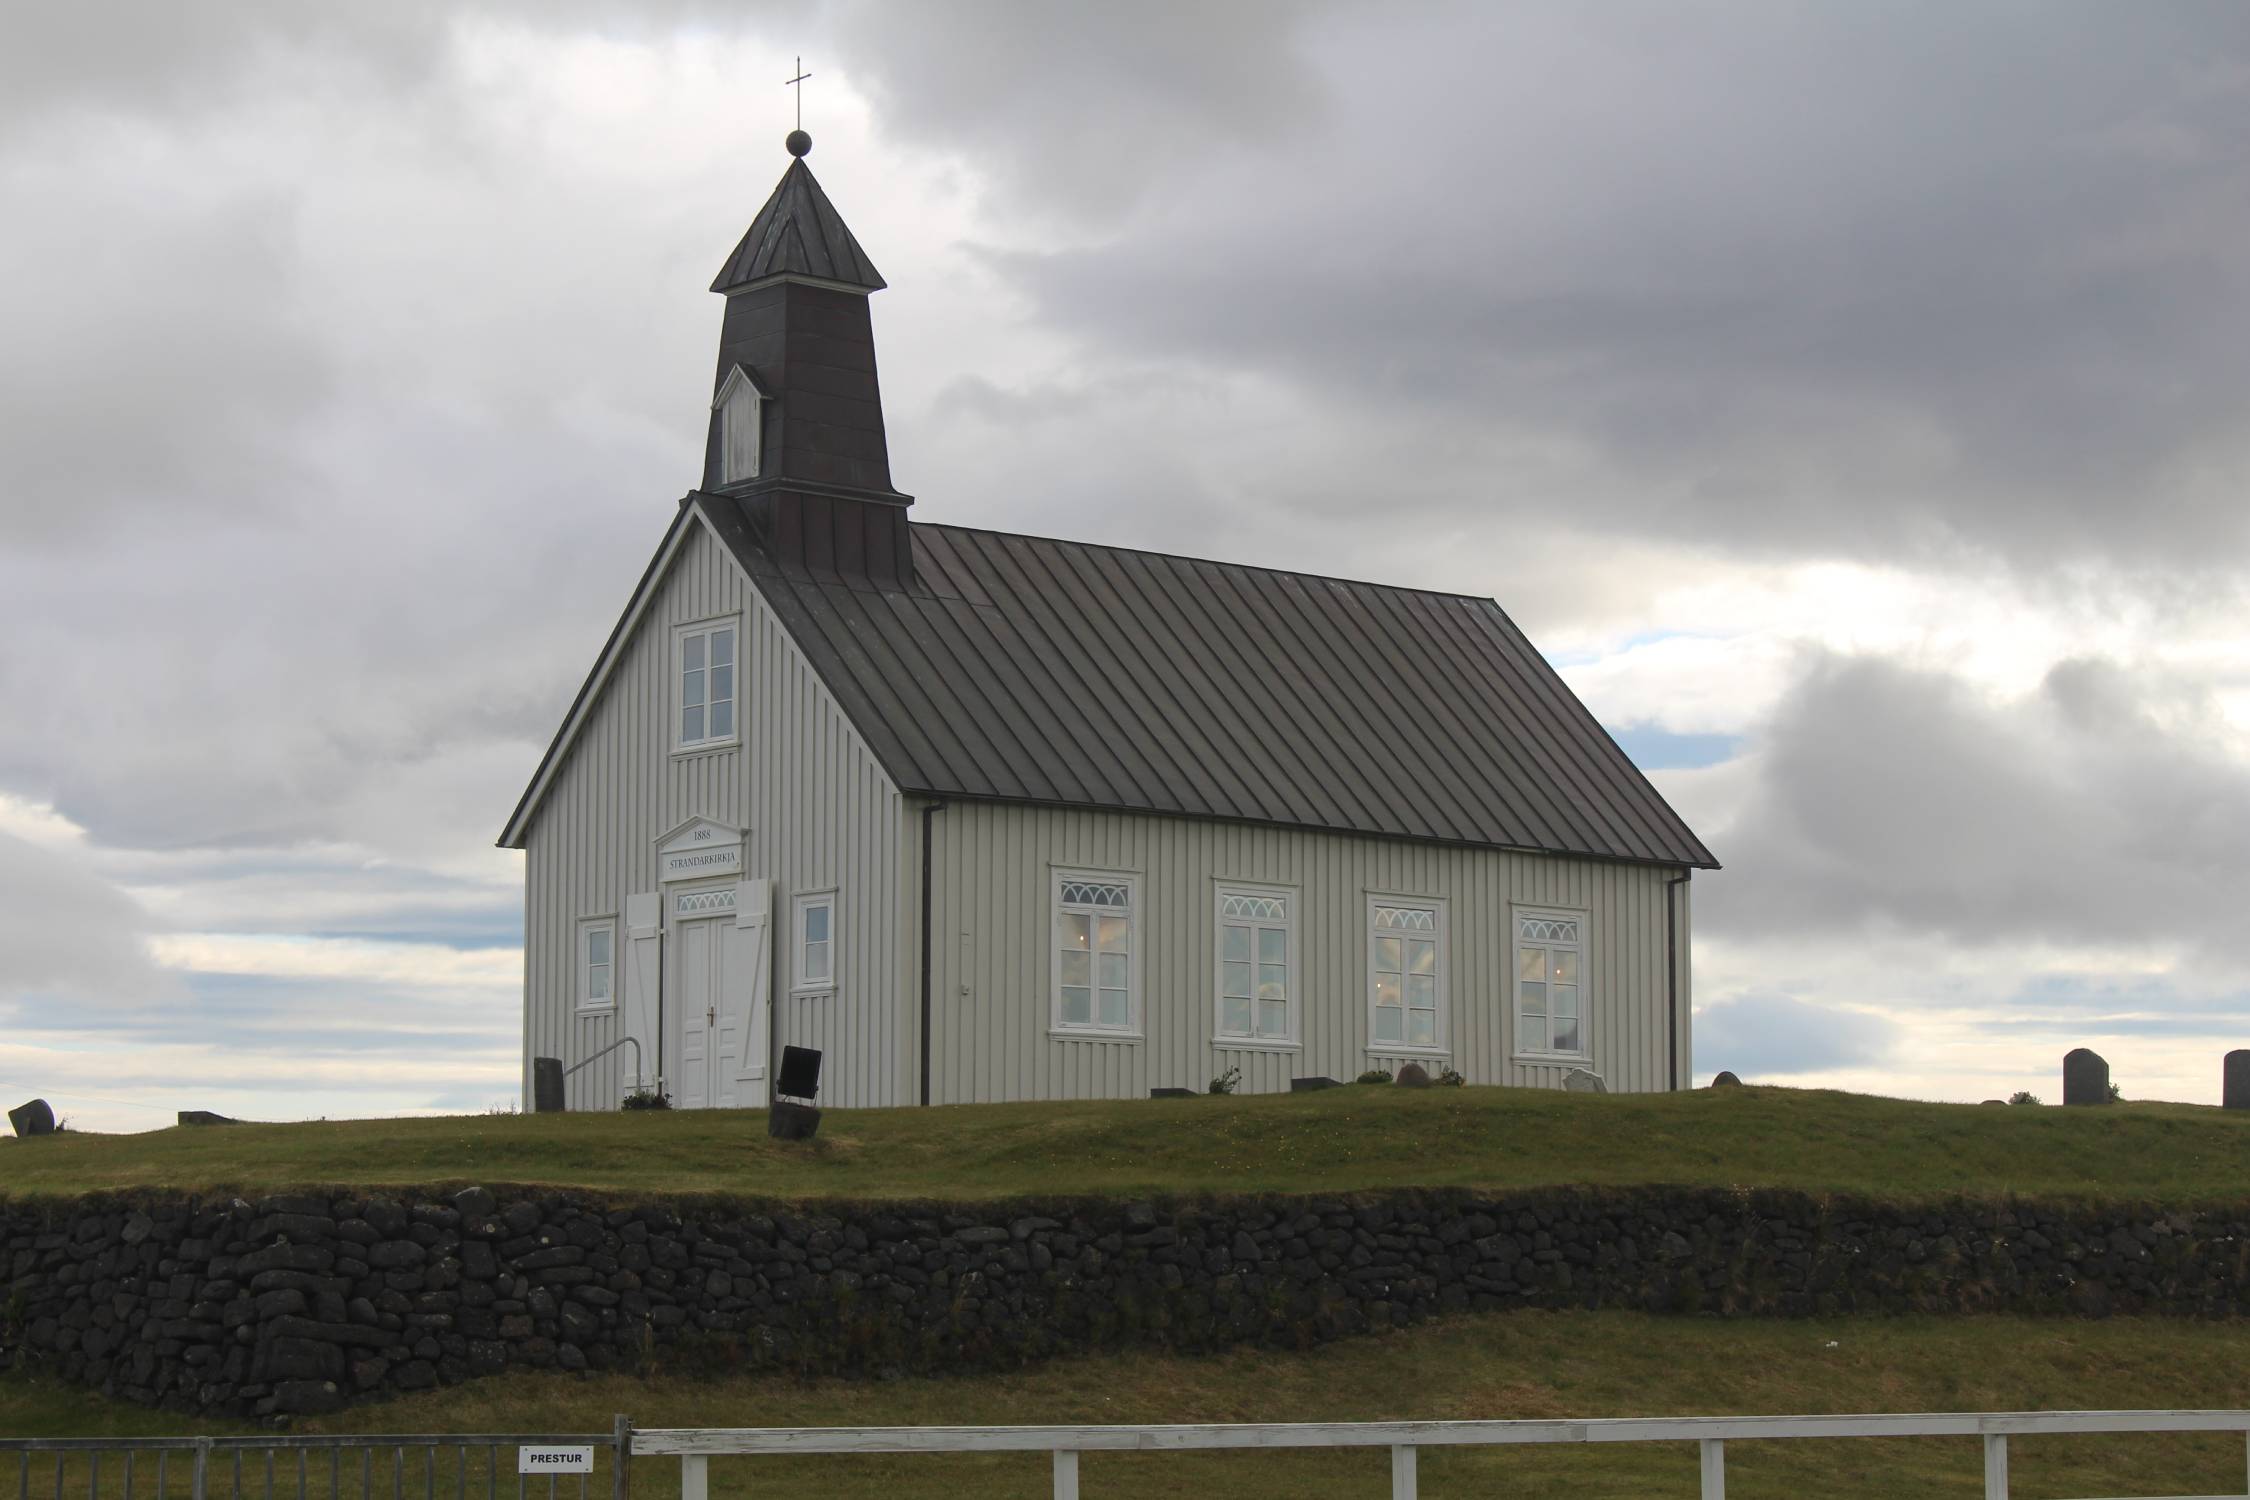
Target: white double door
(718,975)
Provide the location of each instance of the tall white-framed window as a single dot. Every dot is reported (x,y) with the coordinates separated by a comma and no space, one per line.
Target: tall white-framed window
(1406,998)
(1096,971)
(705,684)
(1550,983)
(597,963)
(741,419)
(812,925)
(1257,976)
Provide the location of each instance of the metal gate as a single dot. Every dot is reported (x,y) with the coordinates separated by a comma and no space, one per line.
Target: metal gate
(449,1466)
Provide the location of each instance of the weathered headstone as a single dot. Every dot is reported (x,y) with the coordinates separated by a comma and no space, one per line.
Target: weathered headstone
(2235,1077)
(1312,1085)
(2085,1077)
(792,1122)
(1414,1076)
(546,1085)
(1583,1081)
(34,1118)
(1725,1080)
(203,1117)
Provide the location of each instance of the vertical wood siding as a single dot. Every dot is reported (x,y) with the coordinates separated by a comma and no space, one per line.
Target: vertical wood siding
(993,924)
(820,811)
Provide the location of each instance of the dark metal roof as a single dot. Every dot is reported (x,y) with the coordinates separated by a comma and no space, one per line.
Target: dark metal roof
(798,233)
(1024,669)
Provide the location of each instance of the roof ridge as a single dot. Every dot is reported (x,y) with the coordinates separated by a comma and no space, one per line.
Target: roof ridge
(1216,562)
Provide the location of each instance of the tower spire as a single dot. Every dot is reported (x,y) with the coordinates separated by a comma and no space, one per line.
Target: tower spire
(797,416)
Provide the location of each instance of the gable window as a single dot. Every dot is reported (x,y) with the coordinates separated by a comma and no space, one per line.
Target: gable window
(741,414)
(815,928)
(1257,966)
(597,964)
(707,685)
(1406,974)
(1095,980)
(1550,983)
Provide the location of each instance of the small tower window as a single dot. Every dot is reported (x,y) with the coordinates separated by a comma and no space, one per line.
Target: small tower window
(741,410)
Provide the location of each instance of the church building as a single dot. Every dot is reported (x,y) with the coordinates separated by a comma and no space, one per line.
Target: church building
(983,816)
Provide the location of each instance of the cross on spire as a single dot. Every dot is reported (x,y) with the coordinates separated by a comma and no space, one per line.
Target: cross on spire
(802,75)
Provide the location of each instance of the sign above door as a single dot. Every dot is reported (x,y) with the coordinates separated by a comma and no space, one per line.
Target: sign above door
(697,848)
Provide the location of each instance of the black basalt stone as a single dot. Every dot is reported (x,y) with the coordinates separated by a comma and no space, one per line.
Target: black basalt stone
(1312,1085)
(33,1117)
(2235,1080)
(1725,1080)
(2085,1077)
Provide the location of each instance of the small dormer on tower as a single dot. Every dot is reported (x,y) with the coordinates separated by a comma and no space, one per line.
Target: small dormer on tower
(796,412)
(739,411)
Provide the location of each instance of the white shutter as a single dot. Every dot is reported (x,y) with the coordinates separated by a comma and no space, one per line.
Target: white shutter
(636,1000)
(753,916)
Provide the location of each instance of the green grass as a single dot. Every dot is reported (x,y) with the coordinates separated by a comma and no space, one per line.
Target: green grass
(1508,1365)
(1341,1140)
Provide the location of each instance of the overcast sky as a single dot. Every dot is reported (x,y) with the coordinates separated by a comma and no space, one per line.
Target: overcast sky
(1851,399)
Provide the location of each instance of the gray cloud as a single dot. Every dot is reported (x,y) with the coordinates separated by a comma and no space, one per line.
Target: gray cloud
(66,935)
(1763,1036)
(1911,281)
(2100,811)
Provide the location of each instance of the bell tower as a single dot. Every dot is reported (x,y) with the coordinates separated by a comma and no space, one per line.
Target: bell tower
(796,414)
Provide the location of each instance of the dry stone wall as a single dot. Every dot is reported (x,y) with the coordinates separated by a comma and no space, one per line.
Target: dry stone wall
(304,1303)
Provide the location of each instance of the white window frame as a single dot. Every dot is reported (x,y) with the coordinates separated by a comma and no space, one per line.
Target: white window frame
(1442,929)
(754,443)
(582,965)
(681,635)
(1517,916)
(1292,1036)
(803,983)
(1135,939)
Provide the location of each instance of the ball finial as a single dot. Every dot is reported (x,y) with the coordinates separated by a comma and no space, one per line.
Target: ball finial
(798,143)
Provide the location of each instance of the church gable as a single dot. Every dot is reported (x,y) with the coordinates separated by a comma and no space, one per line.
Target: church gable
(678,695)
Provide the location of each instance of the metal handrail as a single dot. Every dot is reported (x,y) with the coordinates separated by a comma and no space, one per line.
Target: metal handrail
(624,1041)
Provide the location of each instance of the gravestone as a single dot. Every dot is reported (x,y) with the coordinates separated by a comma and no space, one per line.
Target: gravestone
(2236,1077)
(1414,1076)
(1583,1081)
(31,1119)
(203,1117)
(792,1122)
(546,1085)
(1725,1080)
(1312,1085)
(2085,1077)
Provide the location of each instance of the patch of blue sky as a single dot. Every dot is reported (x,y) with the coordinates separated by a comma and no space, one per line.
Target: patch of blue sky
(1654,748)
(1587,656)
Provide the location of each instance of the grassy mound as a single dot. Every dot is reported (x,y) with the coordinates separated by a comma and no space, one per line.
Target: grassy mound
(1342,1140)
(1510,1365)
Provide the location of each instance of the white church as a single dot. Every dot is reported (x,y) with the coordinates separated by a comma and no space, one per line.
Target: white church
(983,816)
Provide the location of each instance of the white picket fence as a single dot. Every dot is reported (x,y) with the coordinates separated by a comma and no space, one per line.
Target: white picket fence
(697,1446)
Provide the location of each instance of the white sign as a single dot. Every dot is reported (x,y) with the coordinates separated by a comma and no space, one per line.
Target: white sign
(686,864)
(554,1460)
(700,848)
